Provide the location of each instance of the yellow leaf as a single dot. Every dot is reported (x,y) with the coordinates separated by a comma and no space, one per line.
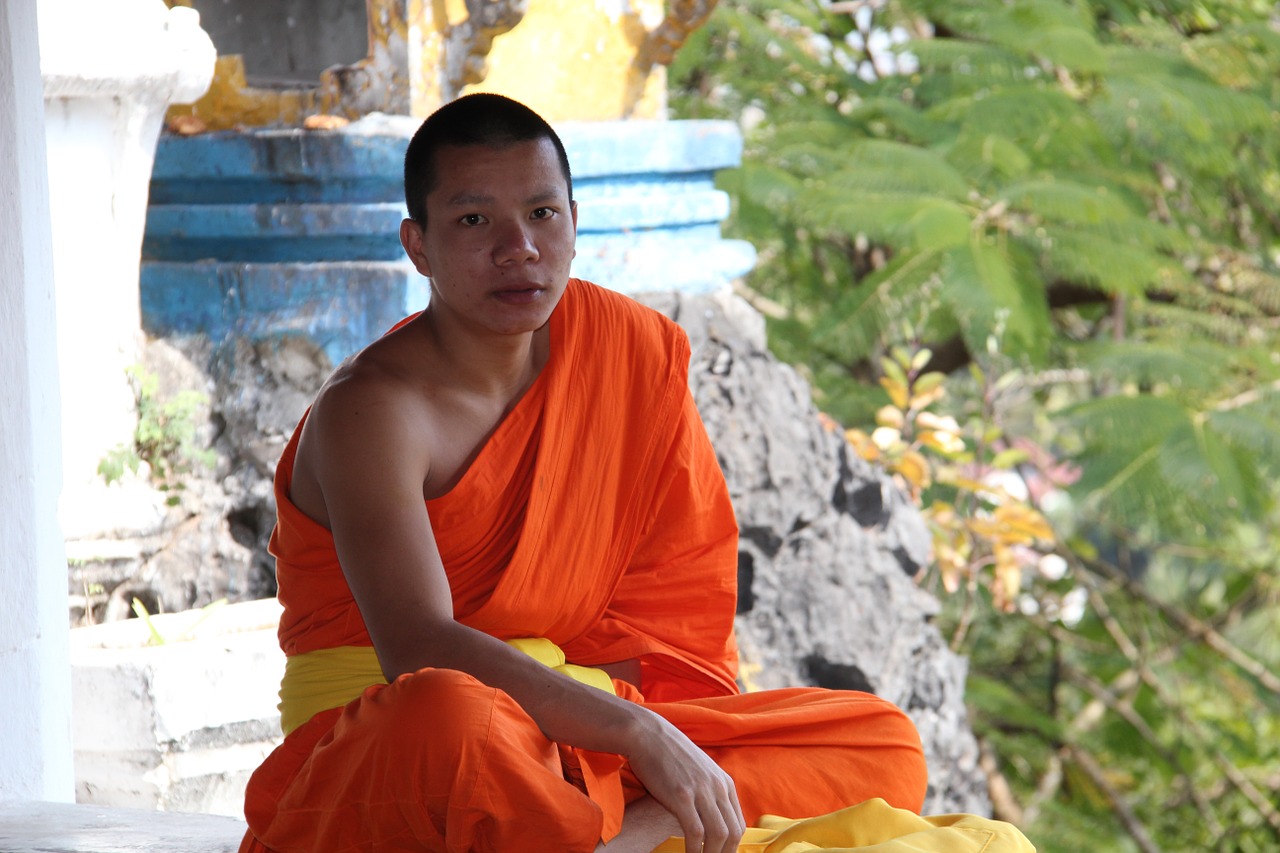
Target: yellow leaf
(922,400)
(1008,582)
(950,578)
(897,391)
(862,444)
(1025,522)
(968,484)
(890,416)
(941,513)
(984,527)
(944,442)
(929,420)
(914,468)
(886,438)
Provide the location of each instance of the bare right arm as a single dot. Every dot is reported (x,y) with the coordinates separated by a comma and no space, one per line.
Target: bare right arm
(362,456)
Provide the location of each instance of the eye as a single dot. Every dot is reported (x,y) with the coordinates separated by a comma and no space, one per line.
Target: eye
(472,219)
(544,213)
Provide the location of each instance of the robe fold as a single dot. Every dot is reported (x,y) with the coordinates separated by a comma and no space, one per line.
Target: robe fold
(596,517)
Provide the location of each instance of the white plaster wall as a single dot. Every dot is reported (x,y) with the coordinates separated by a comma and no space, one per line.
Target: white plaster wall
(35,682)
(110,70)
(116,64)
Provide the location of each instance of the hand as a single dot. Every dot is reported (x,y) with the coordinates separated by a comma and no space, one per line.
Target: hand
(684,779)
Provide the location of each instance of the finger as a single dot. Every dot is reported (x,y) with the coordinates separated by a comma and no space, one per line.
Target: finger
(690,826)
(716,832)
(739,818)
(730,813)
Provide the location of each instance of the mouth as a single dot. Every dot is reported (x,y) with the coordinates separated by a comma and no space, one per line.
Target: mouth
(519,295)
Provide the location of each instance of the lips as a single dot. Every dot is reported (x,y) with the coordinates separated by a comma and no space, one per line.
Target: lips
(519,295)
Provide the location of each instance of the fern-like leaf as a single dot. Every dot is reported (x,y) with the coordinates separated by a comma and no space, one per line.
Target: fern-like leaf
(852,327)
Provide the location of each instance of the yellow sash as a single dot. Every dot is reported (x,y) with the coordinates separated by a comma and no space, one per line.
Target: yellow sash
(330,678)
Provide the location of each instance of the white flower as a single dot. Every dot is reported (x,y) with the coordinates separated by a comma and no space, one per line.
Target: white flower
(1073,606)
(1052,567)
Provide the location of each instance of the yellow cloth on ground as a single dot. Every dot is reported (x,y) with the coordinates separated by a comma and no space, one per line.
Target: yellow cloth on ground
(876,827)
(330,678)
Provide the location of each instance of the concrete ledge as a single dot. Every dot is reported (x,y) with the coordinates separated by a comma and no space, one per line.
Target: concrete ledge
(31,827)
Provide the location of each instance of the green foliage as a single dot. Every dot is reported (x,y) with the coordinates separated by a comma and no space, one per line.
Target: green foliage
(166,437)
(1084,198)
(1184,740)
(1049,172)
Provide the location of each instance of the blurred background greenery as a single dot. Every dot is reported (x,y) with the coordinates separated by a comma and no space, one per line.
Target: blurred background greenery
(1028,253)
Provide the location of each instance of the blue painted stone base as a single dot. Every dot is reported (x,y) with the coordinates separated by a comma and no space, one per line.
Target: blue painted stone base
(341,306)
(273,232)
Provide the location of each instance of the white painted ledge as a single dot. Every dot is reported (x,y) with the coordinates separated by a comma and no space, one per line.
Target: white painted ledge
(182,725)
(34,827)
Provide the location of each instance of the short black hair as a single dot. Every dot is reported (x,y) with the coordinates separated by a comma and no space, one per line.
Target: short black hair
(479,119)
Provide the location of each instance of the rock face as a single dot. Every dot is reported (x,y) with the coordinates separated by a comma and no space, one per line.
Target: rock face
(263,389)
(829,545)
(829,548)
(172,546)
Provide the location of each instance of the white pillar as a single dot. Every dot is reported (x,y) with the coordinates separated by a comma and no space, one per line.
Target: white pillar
(110,70)
(35,678)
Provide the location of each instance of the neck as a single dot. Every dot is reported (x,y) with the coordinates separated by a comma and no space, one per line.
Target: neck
(490,365)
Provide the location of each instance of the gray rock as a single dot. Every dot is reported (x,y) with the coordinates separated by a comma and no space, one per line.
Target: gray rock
(263,389)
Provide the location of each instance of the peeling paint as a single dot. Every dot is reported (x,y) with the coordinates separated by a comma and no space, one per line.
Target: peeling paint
(589,60)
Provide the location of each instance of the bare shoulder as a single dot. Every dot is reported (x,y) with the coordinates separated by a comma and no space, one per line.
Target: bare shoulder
(374,393)
(369,425)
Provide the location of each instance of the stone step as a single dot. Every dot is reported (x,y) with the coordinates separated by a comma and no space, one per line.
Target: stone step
(36,827)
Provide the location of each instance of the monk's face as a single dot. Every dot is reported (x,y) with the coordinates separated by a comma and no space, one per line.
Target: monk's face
(499,236)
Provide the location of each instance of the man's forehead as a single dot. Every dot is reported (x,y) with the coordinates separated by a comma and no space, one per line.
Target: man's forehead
(462,177)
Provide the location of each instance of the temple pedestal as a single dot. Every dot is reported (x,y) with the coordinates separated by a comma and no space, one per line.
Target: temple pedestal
(274,232)
(110,71)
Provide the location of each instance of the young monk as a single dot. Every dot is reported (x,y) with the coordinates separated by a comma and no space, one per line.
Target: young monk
(508,562)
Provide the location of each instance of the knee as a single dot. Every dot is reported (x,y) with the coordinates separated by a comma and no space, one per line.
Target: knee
(431,709)
(433,687)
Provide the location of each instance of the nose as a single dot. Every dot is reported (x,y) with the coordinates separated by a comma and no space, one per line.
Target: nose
(515,245)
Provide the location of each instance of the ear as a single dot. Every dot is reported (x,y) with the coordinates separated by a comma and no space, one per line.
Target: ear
(573,211)
(413,239)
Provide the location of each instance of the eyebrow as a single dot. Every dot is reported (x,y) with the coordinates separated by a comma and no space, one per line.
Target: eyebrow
(466,199)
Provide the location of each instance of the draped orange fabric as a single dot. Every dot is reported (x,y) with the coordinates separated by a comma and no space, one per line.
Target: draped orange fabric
(595,516)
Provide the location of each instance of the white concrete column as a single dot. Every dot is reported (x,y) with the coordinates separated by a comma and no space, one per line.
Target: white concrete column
(35,677)
(110,71)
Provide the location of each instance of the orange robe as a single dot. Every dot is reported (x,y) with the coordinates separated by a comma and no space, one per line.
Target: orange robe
(596,516)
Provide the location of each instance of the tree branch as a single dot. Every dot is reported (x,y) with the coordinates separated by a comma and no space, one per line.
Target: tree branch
(1191,627)
(1137,831)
